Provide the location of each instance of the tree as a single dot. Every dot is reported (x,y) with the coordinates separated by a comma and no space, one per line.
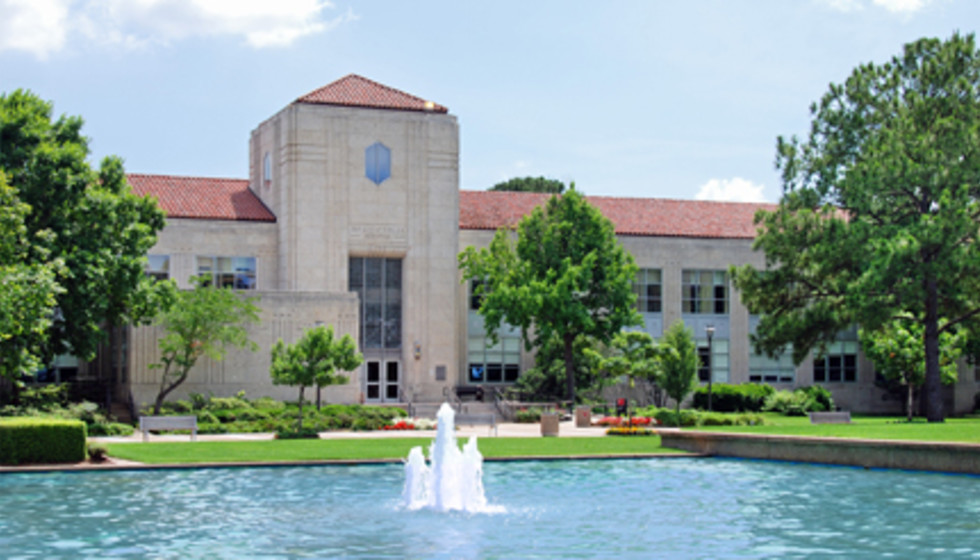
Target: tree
(205,321)
(89,220)
(530,184)
(899,356)
(879,215)
(566,276)
(546,380)
(315,359)
(679,364)
(28,291)
(633,354)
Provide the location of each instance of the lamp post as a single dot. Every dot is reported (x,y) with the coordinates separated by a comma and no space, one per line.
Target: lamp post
(710,330)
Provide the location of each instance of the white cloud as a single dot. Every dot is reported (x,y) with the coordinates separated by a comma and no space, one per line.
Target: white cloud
(731,190)
(134,23)
(905,7)
(902,6)
(36,26)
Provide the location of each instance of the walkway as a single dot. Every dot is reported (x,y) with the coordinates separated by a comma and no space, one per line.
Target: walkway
(566,429)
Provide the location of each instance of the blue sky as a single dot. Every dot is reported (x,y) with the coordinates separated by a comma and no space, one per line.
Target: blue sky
(649,98)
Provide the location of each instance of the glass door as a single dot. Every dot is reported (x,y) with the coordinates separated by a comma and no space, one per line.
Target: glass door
(382,380)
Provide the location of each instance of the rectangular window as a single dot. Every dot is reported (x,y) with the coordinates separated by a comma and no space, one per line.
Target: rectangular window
(838,365)
(476,296)
(704,292)
(158,266)
(763,369)
(267,168)
(648,287)
(493,363)
(227,272)
(378,285)
(715,362)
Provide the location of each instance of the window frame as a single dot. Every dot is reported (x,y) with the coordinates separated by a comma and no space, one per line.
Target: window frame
(231,278)
(693,299)
(643,282)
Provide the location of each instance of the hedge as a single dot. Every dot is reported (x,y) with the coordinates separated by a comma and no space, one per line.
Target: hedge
(41,440)
(725,397)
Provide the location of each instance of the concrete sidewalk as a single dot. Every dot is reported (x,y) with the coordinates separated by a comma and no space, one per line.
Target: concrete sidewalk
(566,429)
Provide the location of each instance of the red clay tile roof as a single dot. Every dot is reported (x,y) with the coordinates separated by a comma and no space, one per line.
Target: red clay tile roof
(653,217)
(202,198)
(356,91)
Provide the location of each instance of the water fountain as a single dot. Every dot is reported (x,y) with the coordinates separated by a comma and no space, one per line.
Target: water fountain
(453,480)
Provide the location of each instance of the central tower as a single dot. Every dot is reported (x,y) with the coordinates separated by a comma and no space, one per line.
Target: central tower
(364,181)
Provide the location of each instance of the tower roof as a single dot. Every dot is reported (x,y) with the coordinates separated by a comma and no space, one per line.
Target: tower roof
(356,91)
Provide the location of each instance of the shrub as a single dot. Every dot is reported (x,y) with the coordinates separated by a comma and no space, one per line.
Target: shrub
(268,404)
(528,416)
(667,417)
(110,429)
(207,428)
(292,433)
(790,403)
(725,397)
(45,397)
(228,403)
(822,400)
(97,452)
(41,440)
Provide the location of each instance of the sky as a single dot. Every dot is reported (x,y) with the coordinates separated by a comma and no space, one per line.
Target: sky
(648,98)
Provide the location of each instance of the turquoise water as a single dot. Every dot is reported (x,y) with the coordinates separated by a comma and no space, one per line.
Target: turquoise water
(660,508)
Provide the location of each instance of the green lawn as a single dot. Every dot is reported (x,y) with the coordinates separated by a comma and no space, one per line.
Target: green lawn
(966,430)
(373,448)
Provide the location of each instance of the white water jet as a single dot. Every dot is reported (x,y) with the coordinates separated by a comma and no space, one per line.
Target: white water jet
(453,480)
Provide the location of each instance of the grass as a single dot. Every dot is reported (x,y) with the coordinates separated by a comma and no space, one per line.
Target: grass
(964,430)
(372,449)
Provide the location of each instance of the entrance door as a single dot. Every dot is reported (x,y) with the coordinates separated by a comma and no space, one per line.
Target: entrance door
(382,380)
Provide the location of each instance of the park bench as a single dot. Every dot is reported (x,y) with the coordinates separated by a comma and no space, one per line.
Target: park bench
(838,417)
(148,423)
(489,420)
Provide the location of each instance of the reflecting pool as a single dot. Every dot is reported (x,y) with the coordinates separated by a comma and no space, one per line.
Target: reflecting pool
(656,508)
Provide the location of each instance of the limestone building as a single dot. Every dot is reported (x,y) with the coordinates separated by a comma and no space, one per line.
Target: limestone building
(352,216)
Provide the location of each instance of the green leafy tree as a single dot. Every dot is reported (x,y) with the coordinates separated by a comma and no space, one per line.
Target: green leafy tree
(878,218)
(90,220)
(899,356)
(546,380)
(530,184)
(205,321)
(28,291)
(566,276)
(315,359)
(679,364)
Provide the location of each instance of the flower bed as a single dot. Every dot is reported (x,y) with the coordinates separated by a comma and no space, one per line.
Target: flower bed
(613,421)
(399,425)
(410,424)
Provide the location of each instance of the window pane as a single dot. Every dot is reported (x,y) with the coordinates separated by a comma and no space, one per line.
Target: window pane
(511,373)
(495,373)
(355,278)
(373,372)
(476,373)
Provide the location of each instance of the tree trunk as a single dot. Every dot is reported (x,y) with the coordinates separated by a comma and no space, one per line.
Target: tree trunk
(569,368)
(318,397)
(299,424)
(909,399)
(932,389)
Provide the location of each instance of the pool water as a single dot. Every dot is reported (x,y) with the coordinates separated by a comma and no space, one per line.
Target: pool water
(652,508)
